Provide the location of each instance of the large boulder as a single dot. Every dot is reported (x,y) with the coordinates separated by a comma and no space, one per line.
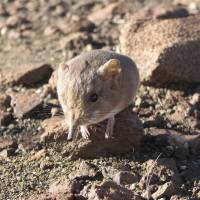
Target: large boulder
(164,50)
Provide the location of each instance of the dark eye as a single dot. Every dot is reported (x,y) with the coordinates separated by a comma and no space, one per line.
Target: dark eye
(93,97)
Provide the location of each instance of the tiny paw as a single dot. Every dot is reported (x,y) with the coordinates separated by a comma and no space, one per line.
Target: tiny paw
(85,133)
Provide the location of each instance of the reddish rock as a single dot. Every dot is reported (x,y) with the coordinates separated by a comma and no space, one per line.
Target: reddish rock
(166,55)
(28,74)
(54,130)
(112,191)
(50,30)
(82,25)
(12,21)
(125,177)
(84,170)
(161,11)
(181,143)
(100,15)
(64,186)
(128,132)
(38,155)
(7,143)
(25,103)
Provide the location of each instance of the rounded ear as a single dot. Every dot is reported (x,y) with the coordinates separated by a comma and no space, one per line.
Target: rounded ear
(111,69)
(63,67)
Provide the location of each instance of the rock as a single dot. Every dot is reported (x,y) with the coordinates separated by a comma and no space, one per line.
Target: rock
(65,42)
(166,190)
(45,165)
(14,35)
(161,11)
(98,16)
(25,103)
(67,196)
(193,6)
(126,137)
(38,155)
(180,113)
(64,186)
(166,56)
(50,30)
(181,143)
(112,191)
(85,170)
(12,21)
(27,75)
(125,177)
(53,130)
(7,143)
(195,99)
(82,25)
(7,153)
(5,118)
(160,171)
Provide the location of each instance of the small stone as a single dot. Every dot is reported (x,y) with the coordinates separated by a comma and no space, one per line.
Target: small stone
(12,21)
(25,103)
(28,75)
(164,170)
(7,152)
(54,130)
(125,177)
(98,16)
(7,143)
(38,155)
(64,186)
(84,170)
(82,25)
(166,190)
(50,30)
(13,34)
(112,191)
(161,11)
(195,99)
(46,165)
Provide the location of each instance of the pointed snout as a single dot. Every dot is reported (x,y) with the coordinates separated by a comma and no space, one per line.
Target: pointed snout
(73,126)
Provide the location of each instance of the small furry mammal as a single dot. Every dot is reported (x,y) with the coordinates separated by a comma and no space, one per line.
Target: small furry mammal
(95,86)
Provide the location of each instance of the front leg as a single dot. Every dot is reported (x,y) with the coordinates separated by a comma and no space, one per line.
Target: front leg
(110,127)
(84,132)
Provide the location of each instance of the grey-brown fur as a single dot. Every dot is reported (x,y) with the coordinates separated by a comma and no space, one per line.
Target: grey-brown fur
(80,79)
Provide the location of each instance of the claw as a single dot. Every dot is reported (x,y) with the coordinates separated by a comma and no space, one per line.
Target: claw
(71,134)
(84,132)
(109,128)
